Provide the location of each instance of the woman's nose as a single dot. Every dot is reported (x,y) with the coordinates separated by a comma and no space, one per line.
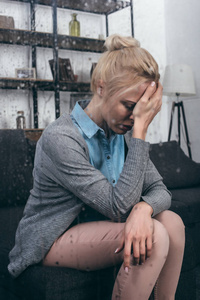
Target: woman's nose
(131,116)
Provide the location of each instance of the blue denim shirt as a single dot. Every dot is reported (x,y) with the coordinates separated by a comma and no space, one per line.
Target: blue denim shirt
(106,155)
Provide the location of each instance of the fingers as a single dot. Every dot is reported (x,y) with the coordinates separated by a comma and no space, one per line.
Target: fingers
(148,247)
(149,91)
(138,236)
(150,103)
(155,99)
(127,254)
(141,251)
(152,89)
(120,248)
(153,94)
(136,253)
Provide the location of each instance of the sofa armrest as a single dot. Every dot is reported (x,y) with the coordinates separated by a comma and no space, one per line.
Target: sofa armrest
(177,169)
(16,165)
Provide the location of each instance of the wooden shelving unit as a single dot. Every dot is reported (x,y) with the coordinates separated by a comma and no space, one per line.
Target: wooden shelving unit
(34,39)
(42,39)
(43,85)
(104,7)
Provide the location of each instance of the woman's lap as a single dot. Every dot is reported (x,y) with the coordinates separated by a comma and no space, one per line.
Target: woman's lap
(87,246)
(91,246)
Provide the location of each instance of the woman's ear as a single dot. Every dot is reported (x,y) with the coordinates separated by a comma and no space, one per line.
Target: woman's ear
(99,91)
(100,88)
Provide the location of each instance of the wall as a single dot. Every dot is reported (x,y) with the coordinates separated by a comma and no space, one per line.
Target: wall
(182,25)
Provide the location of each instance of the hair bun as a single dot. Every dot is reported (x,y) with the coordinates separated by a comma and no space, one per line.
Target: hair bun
(117,42)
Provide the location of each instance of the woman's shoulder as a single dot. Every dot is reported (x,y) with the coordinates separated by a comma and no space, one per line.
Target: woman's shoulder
(63,126)
(62,132)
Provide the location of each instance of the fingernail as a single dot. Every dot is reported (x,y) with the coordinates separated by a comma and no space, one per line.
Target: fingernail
(126,270)
(153,83)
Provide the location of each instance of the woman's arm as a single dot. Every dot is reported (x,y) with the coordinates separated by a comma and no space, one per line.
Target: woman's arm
(154,191)
(138,231)
(62,156)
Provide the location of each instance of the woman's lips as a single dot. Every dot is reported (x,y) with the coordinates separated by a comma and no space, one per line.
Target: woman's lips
(126,127)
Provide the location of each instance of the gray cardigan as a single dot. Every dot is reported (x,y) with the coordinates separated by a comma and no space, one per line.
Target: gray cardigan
(65,181)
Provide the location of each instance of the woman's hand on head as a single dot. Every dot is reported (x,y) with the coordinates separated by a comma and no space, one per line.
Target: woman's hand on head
(138,235)
(146,109)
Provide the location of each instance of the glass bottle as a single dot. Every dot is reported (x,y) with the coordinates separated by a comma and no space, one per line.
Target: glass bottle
(20,120)
(74,26)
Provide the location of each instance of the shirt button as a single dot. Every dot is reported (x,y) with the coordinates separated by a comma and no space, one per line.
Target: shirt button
(113,181)
(108,157)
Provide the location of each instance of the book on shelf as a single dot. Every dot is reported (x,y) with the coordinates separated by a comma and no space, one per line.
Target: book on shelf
(65,69)
(7,22)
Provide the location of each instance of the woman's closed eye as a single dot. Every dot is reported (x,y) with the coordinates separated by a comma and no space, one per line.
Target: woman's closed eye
(129,107)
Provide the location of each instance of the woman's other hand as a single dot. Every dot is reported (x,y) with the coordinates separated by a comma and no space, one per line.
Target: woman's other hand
(146,109)
(138,235)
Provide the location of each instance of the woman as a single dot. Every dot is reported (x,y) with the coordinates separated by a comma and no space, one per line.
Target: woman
(94,204)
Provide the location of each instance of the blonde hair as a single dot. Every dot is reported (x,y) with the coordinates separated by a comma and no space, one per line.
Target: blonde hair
(124,64)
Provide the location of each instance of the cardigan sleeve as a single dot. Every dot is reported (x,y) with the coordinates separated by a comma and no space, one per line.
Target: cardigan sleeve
(67,163)
(154,191)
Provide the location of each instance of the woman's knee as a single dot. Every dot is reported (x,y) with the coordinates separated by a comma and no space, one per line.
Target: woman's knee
(160,239)
(175,228)
(171,221)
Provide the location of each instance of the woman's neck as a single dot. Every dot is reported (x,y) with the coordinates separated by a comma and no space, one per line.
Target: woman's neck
(94,111)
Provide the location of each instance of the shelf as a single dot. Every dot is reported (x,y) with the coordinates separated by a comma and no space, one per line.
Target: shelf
(94,6)
(42,39)
(43,85)
(33,134)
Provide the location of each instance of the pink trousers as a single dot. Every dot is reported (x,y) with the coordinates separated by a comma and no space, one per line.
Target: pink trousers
(91,246)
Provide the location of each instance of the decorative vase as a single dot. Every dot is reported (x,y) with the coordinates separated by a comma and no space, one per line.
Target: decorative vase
(74,26)
(20,120)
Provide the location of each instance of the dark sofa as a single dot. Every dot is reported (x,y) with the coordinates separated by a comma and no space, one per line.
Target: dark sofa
(180,174)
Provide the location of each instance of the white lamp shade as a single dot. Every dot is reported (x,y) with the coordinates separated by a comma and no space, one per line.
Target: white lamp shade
(178,79)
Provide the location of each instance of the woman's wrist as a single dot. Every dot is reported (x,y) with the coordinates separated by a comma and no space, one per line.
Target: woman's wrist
(139,134)
(143,206)
(139,129)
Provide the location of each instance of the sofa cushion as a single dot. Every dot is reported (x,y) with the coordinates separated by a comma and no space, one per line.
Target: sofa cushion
(16,164)
(187,286)
(9,219)
(186,203)
(58,283)
(177,170)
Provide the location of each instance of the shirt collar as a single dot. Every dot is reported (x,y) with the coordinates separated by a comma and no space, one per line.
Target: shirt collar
(83,120)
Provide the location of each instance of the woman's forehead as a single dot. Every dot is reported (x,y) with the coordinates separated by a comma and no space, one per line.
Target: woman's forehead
(133,90)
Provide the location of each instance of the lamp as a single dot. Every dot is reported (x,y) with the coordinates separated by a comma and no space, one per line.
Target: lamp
(179,81)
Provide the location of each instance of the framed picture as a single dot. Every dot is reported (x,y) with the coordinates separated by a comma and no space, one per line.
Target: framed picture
(25,73)
(65,69)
